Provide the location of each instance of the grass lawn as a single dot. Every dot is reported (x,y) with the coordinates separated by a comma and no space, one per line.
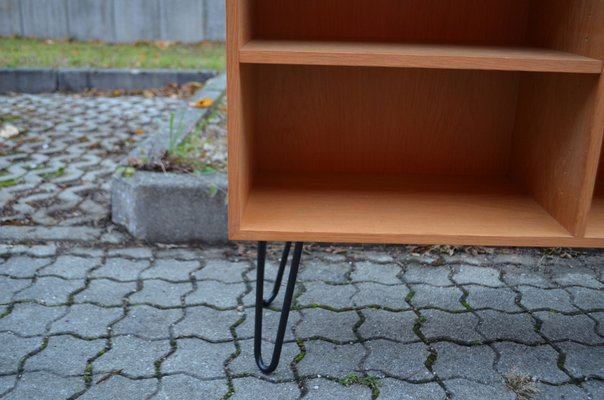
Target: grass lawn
(21,52)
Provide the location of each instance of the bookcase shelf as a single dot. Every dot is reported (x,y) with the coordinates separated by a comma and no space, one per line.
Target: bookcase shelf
(416,56)
(416,121)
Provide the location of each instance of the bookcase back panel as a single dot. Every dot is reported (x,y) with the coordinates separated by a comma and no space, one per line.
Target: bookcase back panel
(487,22)
(380,120)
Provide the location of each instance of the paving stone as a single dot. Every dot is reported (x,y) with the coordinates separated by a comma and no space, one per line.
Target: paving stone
(87,320)
(323,389)
(6,383)
(208,323)
(440,325)
(338,297)
(396,326)
(185,387)
(319,270)
(121,269)
(65,355)
(594,388)
(564,392)
(23,266)
(222,270)
(35,250)
(85,252)
(245,364)
(132,252)
(515,258)
(30,319)
(485,276)
(440,297)
(147,323)
(330,360)
(599,317)
(8,288)
(480,297)
(331,325)
(50,291)
(540,362)
(249,388)
(403,361)
(587,299)
(380,273)
(329,256)
(19,348)
(392,389)
(105,292)
(583,361)
(579,328)
(171,270)
(545,299)
(161,293)
(375,294)
(462,389)
(435,276)
(496,325)
(270,323)
(578,279)
(70,267)
(182,254)
(119,387)
(198,357)
(35,385)
(135,357)
(373,256)
(216,294)
(465,362)
(523,278)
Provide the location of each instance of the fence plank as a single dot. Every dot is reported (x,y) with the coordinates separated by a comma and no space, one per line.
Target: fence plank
(45,19)
(182,20)
(136,20)
(91,19)
(10,17)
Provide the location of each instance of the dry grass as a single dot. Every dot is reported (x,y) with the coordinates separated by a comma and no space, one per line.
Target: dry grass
(522,385)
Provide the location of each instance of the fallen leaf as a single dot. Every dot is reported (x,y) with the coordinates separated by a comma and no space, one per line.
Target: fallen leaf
(202,103)
(138,132)
(8,131)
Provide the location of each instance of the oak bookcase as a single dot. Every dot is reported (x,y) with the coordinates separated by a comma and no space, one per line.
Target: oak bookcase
(475,122)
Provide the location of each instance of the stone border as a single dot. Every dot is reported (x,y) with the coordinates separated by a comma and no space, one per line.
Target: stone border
(169,207)
(43,80)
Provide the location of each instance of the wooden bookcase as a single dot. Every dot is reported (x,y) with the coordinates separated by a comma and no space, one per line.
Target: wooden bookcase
(473,122)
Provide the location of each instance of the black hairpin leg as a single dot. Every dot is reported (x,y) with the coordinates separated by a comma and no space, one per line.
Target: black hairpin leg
(287,302)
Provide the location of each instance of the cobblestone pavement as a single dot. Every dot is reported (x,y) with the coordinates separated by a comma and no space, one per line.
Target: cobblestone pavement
(87,313)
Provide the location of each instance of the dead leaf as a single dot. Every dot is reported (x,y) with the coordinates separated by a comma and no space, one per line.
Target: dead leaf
(202,103)
(8,131)
(138,132)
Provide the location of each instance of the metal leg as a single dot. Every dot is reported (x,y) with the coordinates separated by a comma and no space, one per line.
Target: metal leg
(267,302)
(287,302)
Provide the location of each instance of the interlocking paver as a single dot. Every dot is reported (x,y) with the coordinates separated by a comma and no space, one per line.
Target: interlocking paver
(70,267)
(13,349)
(105,292)
(594,388)
(171,270)
(539,362)
(121,269)
(497,325)
(333,296)
(248,389)
(216,294)
(119,387)
(29,319)
(35,250)
(599,317)
(443,325)
(323,389)
(440,297)
(545,299)
(558,327)
(65,355)
(583,361)
(50,291)
(133,356)
(521,277)
(132,252)
(186,387)
(392,389)
(87,320)
(396,326)
(462,389)
(199,358)
(7,382)
(332,360)
(331,325)
(270,322)
(222,270)
(579,279)
(587,299)
(380,273)
(23,266)
(375,294)
(465,362)
(34,385)
(562,392)
(161,293)
(9,286)
(403,361)
(316,269)
(436,276)
(245,364)
(502,299)
(208,323)
(486,276)
(147,322)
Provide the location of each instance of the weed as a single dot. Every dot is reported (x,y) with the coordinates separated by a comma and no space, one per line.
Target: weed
(10,183)
(521,385)
(369,381)
(302,353)
(56,174)
(410,296)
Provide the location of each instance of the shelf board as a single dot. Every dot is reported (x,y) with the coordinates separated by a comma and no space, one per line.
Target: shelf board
(394,209)
(415,56)
(595,221)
